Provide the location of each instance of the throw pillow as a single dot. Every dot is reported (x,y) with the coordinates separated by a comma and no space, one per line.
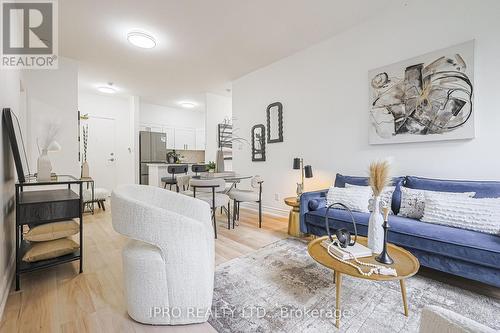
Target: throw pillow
(356,198)
(413,201)
(51,231)
(50,249)
(481,215)
(386,195)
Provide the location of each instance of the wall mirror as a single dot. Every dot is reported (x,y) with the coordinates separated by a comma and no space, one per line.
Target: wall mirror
(13,129)
(275,123)
(258,143)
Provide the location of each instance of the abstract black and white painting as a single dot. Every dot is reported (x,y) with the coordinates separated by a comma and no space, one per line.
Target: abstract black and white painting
(426,98)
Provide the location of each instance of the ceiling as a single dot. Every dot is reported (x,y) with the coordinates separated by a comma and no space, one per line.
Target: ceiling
(202,45)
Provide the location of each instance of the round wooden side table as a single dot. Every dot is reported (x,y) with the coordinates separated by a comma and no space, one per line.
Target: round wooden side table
(294,217)
(405,263)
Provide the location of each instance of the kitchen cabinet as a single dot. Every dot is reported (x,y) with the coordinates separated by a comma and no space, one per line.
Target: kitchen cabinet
(150,128)
(200,139)
(178,138)
(170,131)
(185,139)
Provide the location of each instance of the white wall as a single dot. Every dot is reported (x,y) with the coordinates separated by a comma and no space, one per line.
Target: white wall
(135,109)
(158,114)
(9,97)
(117,108)
(217,109)
(52,97)
(324,91)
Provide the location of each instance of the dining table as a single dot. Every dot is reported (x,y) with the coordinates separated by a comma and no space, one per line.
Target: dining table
(229,176)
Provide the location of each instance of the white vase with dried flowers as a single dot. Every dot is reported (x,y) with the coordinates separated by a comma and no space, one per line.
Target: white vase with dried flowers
(379,179)
(47,144)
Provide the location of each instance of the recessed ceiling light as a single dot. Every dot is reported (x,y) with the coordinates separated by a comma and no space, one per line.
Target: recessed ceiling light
(141,39)
(109,89)
(187,105)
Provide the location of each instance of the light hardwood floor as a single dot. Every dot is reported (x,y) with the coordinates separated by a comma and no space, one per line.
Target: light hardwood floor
(61,300)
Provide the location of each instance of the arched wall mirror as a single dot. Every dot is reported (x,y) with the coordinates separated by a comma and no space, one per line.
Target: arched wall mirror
(275,123)
(258,143)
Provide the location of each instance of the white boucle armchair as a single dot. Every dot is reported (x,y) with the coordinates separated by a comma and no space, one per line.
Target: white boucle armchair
(168,265)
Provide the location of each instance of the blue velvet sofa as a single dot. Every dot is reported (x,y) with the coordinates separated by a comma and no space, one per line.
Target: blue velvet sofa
(465,253)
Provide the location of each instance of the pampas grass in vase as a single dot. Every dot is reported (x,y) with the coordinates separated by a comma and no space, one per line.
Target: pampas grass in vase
(379,179)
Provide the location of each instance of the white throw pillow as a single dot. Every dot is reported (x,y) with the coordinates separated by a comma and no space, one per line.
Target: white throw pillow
(481,215)
(386,195)
(413,201)
(356,198)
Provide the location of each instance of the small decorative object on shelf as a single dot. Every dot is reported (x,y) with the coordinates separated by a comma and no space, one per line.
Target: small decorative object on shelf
(384,257)
(379,178)
(44,167)
(306,171)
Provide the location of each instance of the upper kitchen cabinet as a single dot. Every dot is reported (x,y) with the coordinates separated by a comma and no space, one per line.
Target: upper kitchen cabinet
(200,139)
(170,137)
(185,139)
(151,128)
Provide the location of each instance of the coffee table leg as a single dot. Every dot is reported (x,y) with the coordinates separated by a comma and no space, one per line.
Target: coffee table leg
(403,292)
(338,283)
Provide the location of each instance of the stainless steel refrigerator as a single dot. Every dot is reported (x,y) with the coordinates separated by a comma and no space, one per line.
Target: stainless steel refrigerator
(152,149)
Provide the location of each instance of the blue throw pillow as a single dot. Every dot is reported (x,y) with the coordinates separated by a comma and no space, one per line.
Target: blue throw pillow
(313,204)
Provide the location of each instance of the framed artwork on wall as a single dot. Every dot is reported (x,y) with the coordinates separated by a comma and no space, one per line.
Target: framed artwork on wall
(425,98)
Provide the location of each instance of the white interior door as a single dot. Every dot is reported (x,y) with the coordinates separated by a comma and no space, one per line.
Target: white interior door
(101,153)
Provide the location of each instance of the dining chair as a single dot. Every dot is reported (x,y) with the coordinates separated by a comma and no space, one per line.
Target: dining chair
(183,183)
(254,195)
(206,190)
(174,170)
(197,168)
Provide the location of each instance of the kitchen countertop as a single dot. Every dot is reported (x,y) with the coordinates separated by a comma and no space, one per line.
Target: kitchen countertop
(158,164)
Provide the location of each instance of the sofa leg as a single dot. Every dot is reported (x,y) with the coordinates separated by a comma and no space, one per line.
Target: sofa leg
(103,207)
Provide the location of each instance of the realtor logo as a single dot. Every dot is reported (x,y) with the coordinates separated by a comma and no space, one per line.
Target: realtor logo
(29,34)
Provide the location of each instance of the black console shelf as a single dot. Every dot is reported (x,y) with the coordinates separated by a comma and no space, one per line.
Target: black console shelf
(34,207)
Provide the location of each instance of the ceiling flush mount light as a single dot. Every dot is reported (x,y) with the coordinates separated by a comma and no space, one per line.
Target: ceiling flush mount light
(109,89)
(187,105)
(141,39)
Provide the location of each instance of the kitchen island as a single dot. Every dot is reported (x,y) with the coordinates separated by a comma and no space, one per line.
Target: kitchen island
(159,170)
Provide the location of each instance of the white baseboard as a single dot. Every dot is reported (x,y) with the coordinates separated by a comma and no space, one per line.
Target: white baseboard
(6,282)
(253,206)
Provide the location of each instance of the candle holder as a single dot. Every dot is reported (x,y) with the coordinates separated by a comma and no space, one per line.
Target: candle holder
(384,257)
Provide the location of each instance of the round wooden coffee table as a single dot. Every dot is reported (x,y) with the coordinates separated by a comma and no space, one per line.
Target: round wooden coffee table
(405,263)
